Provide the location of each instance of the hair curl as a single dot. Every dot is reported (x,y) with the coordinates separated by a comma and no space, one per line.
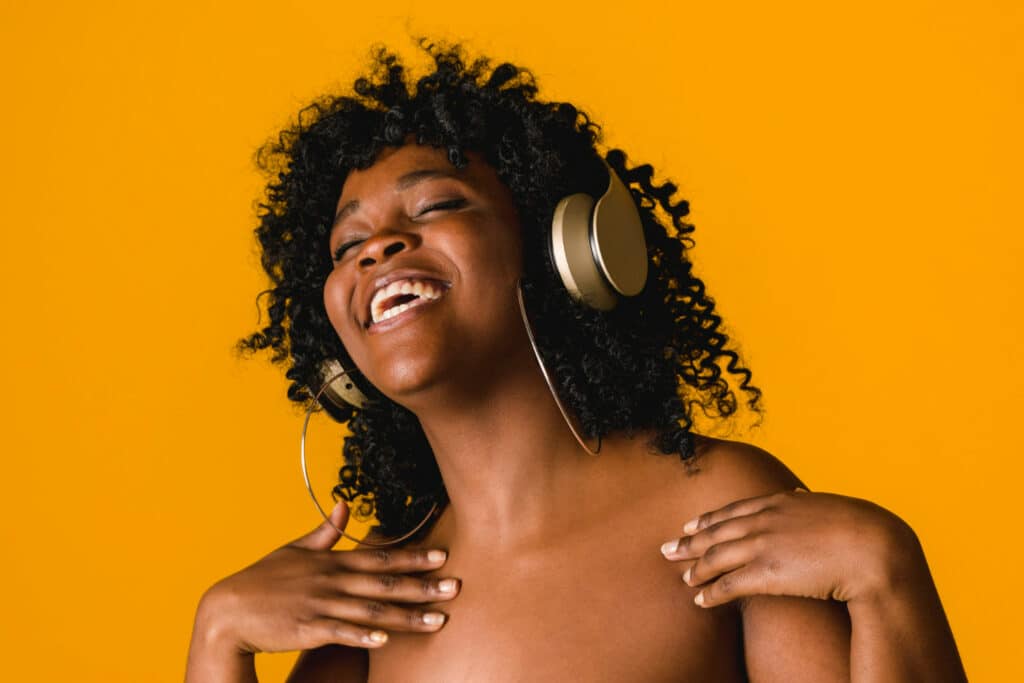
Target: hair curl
(644,365)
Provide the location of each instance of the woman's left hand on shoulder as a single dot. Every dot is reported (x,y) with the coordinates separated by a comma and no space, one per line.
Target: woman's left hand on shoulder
(814,545)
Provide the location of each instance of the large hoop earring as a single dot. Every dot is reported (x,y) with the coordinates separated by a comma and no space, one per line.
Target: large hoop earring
(547,378)
(309,487)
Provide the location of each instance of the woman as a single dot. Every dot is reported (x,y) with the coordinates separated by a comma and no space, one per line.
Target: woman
(548,563)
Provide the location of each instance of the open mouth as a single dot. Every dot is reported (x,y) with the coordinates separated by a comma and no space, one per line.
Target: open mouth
(401,295)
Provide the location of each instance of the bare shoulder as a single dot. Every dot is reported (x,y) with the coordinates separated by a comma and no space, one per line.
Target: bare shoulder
(784,637)
(724,471)
(741,466)
(719,473)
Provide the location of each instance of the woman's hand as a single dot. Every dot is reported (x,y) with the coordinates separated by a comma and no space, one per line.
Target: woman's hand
(814,545)
(304,595)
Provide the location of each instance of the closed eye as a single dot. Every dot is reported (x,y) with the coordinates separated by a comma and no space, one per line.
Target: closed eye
(440,206)
(340,251)
(450,204)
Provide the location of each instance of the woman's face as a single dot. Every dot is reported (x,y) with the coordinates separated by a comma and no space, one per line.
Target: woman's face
(426,257)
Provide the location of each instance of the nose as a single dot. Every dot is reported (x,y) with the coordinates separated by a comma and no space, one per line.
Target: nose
(383,246)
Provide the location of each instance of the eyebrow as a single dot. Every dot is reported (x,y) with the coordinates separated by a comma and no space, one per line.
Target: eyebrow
(403,183)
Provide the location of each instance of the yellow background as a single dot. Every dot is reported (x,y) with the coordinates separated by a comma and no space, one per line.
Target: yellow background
(854,173)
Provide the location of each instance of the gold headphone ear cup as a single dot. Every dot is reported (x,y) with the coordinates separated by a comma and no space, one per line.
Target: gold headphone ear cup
(341,390)
(617,239)
(572,254)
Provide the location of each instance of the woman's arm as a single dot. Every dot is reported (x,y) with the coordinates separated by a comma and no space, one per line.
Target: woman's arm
(897,628)
(212,657)
(832,549)
(305,595)
(900,631)
(795,640)
(212,660)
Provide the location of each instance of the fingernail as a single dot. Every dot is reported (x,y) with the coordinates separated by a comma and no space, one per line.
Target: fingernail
(690,526)
(433,618)
(437,556)
(378,637)
(687,574)
(700,598)
(448,585)
(801,489)
(669,547)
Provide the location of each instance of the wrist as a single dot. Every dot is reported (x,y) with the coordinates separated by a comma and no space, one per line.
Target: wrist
(213,630)
(893,566)
(214,654)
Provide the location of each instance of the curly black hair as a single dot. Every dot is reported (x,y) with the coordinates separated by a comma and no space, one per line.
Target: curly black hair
(646,365)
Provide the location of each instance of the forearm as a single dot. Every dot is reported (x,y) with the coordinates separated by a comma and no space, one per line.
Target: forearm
(212,659)
(900,633)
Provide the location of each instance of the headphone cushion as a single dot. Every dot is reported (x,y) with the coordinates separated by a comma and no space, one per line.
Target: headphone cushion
(573,256)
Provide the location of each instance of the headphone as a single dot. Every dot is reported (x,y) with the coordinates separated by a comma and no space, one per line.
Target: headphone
(597,248)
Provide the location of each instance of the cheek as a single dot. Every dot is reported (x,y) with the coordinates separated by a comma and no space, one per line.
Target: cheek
(492,268)
(495,254)
(510,255)
(336,298)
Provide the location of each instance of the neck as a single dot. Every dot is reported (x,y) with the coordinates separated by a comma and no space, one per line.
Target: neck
(511,466)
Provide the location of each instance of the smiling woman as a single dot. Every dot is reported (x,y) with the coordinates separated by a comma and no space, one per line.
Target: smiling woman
(400,227)
(468,256)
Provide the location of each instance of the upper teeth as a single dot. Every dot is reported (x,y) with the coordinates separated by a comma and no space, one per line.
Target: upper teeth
(424,290)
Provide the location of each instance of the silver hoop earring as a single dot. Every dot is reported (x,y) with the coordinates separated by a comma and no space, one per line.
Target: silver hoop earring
(547,378)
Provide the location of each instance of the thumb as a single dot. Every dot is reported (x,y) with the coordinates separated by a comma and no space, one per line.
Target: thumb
(325,536)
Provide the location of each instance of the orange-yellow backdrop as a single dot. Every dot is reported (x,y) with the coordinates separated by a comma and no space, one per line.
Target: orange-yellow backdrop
(854,174)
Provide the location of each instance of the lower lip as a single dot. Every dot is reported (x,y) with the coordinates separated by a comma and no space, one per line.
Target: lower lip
(406,315)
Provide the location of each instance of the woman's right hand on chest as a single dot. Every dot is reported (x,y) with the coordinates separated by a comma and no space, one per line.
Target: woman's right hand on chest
(305,595)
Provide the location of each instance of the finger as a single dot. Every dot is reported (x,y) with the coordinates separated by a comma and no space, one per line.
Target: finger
(388,561)
(397,588)
(325,630)
(721,558)
(751,579)
(747,506)
(694,546)
(382,615)
(326,535)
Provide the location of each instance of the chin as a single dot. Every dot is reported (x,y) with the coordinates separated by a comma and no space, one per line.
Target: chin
(407,380)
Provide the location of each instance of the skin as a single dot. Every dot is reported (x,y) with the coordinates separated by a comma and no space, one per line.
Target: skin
(560,568)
